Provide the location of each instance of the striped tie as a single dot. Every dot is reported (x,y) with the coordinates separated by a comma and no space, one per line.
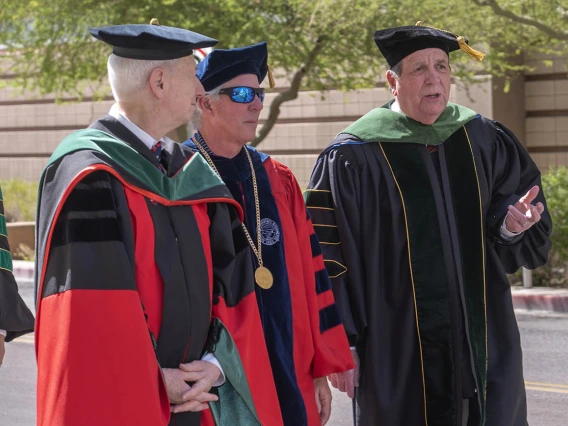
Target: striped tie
(158,149)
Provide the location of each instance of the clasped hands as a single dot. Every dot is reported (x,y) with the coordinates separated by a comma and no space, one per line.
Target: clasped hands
(184,397)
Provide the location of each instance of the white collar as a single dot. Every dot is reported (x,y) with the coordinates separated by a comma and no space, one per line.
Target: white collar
(395,106)
(148,140)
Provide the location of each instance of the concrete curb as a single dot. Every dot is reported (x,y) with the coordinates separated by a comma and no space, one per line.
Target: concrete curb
(23,269)
(540,299)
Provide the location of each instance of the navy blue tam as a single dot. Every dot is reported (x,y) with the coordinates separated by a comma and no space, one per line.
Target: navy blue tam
(151,42)
(397,43)
(221,66)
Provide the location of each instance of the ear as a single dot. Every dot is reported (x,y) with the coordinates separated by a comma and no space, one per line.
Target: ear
(392,80)
(156,81)
(205,105)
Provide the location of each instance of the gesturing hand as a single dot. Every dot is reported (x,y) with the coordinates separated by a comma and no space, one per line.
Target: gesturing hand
(523,214)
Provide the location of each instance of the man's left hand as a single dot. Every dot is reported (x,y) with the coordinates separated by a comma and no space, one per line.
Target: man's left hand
(2,349)
(323,399)
(523,215)
(205,375)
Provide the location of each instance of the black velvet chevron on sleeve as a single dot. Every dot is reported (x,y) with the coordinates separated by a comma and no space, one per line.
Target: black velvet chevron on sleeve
(89,214)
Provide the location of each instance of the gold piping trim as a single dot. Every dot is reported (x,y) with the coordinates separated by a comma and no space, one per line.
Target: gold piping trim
(317,190)
(3,235)
(412,279)
(330,244)
(327,226)
(483,254)
(340,264)
(7,251)
(2,215)
(319,208)
(4,269)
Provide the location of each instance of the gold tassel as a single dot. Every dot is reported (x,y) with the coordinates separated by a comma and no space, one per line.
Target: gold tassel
(271,81)
(475,54)
(154,21)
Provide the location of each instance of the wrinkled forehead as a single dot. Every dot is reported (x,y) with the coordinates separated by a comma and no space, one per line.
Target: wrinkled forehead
(427,55)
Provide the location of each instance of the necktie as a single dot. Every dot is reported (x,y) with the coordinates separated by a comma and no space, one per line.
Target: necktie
(159,150)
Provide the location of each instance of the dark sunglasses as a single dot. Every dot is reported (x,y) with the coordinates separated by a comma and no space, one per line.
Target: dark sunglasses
(243,94)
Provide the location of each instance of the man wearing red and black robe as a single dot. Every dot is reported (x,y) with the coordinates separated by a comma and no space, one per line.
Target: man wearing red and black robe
(304,338)
(135,236)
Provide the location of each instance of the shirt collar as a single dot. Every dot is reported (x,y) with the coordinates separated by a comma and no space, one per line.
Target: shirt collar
(395,106)
(148,140)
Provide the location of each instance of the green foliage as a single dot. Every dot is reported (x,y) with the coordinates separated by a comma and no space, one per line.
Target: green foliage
(555,187)
(54,52)
(20,199)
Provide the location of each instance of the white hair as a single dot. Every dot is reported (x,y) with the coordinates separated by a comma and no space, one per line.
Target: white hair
(128,76)
(197,118)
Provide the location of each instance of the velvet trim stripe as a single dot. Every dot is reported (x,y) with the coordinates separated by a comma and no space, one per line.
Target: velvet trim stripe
(334,268)
(318,199)
(329,318)
(4,242)
(322,281)
(427,263)
(5,260)
(314,242)
(469,219)
(327,234)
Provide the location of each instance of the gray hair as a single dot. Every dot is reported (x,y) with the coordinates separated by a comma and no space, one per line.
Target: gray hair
(196,120)
(128,76)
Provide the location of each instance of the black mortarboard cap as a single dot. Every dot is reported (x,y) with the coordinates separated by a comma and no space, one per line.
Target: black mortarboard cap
(221,65)
(151,42)
(397,43)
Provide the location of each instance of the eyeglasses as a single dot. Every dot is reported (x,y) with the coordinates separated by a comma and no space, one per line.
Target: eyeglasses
(243,94)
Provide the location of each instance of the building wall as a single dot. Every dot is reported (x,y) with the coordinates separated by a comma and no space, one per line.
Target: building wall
(546,125)
(31,126)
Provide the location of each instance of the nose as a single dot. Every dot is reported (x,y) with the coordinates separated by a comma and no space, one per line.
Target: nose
(256,104)
(433,76)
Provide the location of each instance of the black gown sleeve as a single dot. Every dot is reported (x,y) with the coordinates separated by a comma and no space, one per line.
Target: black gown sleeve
(333,201)
(514,173)
(231,257)
(15,317)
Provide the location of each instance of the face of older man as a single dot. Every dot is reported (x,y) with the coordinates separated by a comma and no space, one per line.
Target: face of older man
(184,91)
(236,121)
(423,89)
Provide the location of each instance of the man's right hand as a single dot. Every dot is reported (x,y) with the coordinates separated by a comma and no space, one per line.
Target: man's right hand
(177,387)
(347,381)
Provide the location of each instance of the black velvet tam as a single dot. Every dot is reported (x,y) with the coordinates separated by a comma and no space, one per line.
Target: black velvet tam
(397,43)
(151,41)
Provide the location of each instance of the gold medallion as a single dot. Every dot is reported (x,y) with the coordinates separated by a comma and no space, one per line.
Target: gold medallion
(263,277)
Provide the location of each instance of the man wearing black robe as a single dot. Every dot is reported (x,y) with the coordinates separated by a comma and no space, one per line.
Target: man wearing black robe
(422,207)
(136,234)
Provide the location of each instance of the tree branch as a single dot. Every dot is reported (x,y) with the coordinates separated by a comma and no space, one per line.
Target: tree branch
(498,10)
(290,94)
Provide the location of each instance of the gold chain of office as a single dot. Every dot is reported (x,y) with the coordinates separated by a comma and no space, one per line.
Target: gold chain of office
(262,275)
